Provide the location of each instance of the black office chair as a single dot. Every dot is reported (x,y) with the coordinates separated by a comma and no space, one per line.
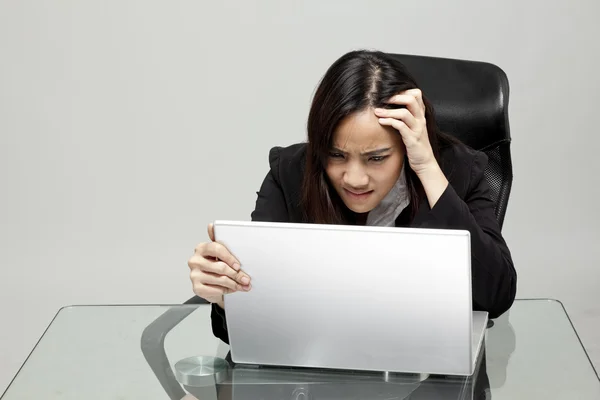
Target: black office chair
(470,99)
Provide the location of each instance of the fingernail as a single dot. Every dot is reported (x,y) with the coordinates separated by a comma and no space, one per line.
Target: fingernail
(245,280)
(236,266)
(247,288)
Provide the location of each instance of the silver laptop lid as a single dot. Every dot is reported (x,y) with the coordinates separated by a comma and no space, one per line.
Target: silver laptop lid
(348,297)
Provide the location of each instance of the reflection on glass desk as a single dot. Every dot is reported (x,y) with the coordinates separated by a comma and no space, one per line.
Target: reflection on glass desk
(246,382)
(144,352)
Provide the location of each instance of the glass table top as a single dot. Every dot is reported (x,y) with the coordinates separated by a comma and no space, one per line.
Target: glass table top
(155,352)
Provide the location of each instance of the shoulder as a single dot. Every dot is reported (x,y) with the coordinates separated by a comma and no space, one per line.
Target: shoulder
(462,165)
(287,173)
(459,153)
(287,162)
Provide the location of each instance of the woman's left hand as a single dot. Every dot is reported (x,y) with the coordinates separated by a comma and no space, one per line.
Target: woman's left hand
(411,124)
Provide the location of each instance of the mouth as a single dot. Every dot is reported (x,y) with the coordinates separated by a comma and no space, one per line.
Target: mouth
(358,195)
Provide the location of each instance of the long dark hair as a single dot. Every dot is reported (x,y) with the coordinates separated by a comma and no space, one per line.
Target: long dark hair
(356,81)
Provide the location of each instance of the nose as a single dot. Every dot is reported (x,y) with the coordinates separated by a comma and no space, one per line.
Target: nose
(355,177)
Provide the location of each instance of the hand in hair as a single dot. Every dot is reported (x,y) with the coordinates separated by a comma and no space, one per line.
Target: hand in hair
(410,121)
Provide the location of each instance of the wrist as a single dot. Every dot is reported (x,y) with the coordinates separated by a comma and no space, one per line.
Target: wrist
(429,171)
(434,183)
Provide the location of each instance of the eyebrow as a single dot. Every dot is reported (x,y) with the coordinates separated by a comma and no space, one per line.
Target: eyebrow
(368,153)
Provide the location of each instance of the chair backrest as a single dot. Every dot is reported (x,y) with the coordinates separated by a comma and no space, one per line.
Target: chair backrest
(470,99)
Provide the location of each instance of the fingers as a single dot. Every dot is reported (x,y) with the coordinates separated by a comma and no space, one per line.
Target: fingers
(408,135)
(409,121)
(402,114)
(201,263)
(215,280)
(412,99)
(220,268)
(214,271)
(214,258)
(212,279)
(418,94)
(217,250)
(221,281)
(211,232)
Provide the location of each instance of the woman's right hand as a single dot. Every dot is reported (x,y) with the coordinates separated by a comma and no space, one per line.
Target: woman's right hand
(214,271)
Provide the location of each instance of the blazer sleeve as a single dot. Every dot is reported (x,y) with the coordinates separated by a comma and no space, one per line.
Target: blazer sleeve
(270,207)
(494,279)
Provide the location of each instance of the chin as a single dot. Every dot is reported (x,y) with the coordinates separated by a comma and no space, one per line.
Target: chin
(359,209)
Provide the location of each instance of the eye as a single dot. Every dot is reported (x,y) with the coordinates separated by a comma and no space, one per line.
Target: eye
(378,159)
(337,156)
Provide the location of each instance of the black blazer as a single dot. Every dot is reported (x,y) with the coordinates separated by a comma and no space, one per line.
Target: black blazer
(465,204)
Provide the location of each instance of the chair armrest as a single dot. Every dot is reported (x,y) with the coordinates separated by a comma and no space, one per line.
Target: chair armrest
(153,349)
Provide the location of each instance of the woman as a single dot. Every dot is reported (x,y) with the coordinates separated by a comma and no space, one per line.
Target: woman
(374,157)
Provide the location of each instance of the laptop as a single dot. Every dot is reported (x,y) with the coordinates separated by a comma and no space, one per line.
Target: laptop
(353,298)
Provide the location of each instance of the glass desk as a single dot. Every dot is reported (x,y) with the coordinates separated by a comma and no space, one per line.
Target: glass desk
(136,352)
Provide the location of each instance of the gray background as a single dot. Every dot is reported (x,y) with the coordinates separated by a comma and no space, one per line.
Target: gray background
(126,126)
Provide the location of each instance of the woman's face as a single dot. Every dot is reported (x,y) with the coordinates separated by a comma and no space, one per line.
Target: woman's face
(365,160)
